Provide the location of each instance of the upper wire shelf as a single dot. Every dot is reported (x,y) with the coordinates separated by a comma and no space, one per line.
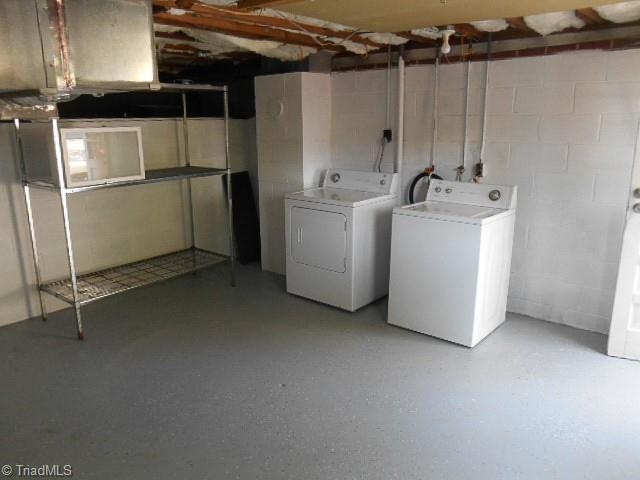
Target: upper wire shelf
(151,176)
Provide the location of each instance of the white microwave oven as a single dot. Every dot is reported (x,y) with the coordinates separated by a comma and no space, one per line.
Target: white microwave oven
(91,155)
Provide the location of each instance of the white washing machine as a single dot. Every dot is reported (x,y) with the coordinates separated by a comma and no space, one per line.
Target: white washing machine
(451,260)
(338,238)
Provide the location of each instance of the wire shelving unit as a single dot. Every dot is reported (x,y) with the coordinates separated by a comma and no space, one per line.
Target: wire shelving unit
(79,290)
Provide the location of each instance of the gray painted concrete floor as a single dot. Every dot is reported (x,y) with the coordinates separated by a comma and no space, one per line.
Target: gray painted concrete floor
(194,379)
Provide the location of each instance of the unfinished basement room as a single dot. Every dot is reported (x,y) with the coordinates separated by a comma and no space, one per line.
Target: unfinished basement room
(320,239)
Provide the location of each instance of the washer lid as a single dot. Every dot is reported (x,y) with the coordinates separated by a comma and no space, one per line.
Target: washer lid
(338,196)
(452,212)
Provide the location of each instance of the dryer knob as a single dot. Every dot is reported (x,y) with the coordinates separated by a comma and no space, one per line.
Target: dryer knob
(335,178)
(438,189)
(494,195)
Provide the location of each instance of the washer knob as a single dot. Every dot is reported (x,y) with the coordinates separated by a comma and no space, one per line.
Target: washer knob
(382,182)
(449,190)
(494,195)
(438,189)
(335,178)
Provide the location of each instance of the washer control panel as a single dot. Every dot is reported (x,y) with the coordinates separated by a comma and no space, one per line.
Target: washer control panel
(484,195)
(382,183)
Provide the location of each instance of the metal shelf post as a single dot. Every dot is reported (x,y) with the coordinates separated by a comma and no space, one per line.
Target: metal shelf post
(187,161)
(229,195)
(29,208)
(67,227)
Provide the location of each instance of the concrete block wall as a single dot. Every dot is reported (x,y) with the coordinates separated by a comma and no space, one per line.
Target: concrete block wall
(293,131)
(115,226)
(563,128)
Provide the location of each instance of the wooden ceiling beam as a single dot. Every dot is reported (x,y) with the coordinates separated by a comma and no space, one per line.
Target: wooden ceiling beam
(178,35)
(229,27)
(519,24)
(590,16)
(184,47)
(418,39)
(263,3)
(234,14)
(186,4)
(468,31)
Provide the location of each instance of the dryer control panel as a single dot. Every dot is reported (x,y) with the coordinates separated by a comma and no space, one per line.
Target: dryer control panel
(480,194)
(382,183)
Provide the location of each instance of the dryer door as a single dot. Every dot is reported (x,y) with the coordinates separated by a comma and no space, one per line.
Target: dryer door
(319,239)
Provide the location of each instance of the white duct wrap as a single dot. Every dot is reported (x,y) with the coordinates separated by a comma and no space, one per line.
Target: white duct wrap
(622,12)
(546,23)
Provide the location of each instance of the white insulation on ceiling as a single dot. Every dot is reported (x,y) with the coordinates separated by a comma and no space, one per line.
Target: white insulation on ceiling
(430,32)
(216,44)
(219,44)
(386,38)
(491,25)
(297,19)
(620,12)
(546,23)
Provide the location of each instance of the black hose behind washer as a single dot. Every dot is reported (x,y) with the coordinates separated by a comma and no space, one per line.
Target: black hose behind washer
(416,180)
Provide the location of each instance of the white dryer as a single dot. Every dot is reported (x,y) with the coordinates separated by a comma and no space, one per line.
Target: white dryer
(451,260)
(338,238)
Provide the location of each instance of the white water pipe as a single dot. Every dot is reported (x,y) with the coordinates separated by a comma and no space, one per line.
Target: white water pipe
(436,92)
(462,167)
(388,111)
(400,133)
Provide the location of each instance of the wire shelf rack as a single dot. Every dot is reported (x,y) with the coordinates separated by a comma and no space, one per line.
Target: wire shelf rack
(79,290)
(104,283)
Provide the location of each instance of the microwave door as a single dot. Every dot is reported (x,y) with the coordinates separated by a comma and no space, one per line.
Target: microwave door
(77,158)
(103,155)
(97,157)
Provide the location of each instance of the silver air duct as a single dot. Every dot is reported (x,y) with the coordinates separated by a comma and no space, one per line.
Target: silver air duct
(56,49)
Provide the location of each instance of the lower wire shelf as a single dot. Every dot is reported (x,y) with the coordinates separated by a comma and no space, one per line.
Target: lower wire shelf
(104,283)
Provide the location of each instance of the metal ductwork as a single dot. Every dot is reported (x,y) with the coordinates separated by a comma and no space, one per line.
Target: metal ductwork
(56,49)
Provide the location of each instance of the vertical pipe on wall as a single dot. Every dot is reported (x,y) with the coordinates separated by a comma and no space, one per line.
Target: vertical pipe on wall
(388,107)
(484,103)
(436,92)
(400,133)
(461,169)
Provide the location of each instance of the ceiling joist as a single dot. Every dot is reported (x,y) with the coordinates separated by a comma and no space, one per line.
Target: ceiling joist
(244,30)
(519,24)
(468,31)
(418,39)
(177,35)
(263,3)
(236,15)
(590,16)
